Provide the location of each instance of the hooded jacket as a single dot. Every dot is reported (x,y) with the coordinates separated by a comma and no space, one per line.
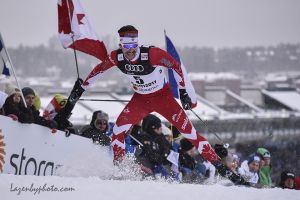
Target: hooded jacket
(90,131)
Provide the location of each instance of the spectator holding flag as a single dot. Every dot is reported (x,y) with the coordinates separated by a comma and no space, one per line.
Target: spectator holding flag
(14,107)
(30,95)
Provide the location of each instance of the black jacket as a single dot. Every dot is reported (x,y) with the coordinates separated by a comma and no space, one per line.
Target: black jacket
(97,136)
(186,160)
(155,149)
(24,114)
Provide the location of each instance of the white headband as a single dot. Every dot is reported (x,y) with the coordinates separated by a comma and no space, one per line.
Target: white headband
(125,40)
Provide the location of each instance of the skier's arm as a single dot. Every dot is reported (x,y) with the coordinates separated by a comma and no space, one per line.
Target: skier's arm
(97,72)
(78,89)
(162,58)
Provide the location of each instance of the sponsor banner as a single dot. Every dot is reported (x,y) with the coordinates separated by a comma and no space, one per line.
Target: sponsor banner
(30,149)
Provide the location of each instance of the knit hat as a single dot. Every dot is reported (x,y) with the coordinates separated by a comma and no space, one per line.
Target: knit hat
(10,90)
(185,144)
(27,91)
(3,97)
(286,175)
(263,152)
(253,158)
(151,122)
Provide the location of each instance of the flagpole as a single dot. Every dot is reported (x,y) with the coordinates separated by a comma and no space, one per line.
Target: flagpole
(165,39)
(12,67)
(75,53)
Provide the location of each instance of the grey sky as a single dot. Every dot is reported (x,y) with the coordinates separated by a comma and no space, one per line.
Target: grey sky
(212,23)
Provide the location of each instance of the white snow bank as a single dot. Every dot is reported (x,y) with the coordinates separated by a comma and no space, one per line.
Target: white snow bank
(96,188)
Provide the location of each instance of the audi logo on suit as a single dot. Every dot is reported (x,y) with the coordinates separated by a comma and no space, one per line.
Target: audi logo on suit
(134,68)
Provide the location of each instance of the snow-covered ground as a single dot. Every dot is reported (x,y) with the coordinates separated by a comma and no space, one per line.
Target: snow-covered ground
(95,188)
(88,175)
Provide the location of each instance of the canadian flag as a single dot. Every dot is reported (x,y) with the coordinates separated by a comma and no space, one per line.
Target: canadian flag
(76,32)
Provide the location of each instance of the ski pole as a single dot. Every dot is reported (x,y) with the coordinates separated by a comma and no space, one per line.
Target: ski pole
(114,100)
(226,145)
(135,140)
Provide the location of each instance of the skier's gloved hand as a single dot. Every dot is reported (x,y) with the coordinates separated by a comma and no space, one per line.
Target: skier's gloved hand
(51,124)
(62,120)
(76,91)
(186,101)
(221,151)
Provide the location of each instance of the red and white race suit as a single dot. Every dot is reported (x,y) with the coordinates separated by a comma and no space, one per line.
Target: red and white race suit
(152,94)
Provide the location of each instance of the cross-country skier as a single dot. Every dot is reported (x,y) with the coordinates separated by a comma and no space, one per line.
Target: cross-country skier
(144,67)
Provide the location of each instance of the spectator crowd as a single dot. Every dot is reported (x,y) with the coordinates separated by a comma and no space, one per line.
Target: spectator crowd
(159,149)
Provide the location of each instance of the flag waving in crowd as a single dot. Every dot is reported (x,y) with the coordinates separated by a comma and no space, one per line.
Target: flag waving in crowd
(174,78)
(76,32)
(4,61)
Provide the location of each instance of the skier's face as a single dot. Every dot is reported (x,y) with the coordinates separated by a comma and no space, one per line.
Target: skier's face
(129,50)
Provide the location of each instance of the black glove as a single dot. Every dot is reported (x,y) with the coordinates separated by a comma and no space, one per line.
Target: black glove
(52,124)
(64,114)
(62,121)
(221,151)
(76,91)
(186,101)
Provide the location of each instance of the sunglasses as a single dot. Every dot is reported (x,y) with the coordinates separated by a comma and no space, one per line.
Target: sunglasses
(130,46)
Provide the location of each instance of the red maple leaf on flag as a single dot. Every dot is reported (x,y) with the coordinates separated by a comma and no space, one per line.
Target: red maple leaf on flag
(79,18)
(63,17)
(86,40)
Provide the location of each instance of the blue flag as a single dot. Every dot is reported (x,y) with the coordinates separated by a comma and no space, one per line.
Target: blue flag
(172,51)
(3,59)
(172,80)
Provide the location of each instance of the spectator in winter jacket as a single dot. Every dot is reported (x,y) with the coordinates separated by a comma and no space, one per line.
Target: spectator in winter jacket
(14,107)
(3,97)
(190,163)
(231,160)
(29,96)
(97,129)
(289,181)
(265,167)
(155,149)
(249,169)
